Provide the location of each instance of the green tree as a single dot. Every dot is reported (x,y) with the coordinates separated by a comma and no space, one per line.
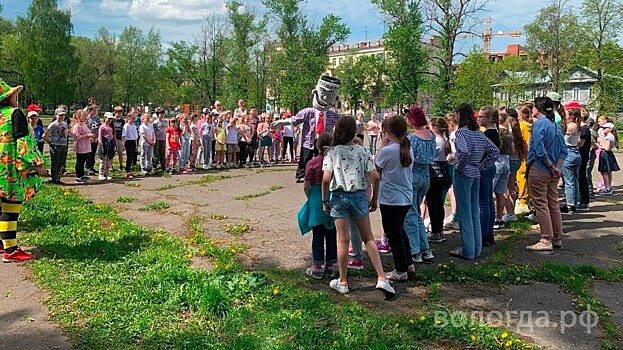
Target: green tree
(137,57)
(407,67)
(300,56)
(96,64)
(601,25)
(519,75)
(244,68)
(44,52)
(359,77)
(554,35)
(473,81)
(448,20)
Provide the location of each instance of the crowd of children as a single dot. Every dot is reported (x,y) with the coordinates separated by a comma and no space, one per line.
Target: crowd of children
(493,165)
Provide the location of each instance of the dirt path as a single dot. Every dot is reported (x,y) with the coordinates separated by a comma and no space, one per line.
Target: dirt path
(24,320)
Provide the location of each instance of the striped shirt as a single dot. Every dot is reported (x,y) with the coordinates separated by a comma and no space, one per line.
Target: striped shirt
(474,152)
(307,116)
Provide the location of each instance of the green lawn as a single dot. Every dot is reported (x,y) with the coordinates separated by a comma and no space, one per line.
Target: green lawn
(115,285)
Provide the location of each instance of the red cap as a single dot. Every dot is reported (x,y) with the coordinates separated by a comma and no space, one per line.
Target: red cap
(573,104)
(476,114)
(416,116)
(34,108)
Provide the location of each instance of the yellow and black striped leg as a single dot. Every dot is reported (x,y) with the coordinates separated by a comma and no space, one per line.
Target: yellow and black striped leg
(8,224)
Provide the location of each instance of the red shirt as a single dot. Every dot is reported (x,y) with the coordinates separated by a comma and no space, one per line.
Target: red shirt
(173,136)
(313,170)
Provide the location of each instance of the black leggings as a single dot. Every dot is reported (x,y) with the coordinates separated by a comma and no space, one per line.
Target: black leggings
(434,201)
(130,149)
(393,219)
(81,160)
(583,183)
(91,158)
(288,141)
(244,150)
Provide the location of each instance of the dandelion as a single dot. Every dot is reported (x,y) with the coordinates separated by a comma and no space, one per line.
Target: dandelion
(422,318)
(473,338)
(508,343)
(277,292)
(189,255)
(336,343)
(504,335)
(518,279)
(496,275)
(411,321)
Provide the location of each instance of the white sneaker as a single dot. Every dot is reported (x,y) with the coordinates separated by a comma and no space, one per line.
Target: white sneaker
(340,288)
(101,177)
(206,166)
(427,224)
(509,217)
(428,255)
(385,288)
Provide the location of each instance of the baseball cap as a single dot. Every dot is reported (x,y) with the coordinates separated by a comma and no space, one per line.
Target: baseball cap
(205,110)
(60,111)
(33,114)
(608,125)
(34,107)
(215,112)
(554,96)
(109,115)
(573,104)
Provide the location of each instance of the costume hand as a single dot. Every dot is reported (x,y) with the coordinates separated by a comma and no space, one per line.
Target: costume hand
(40,171)
(279,123)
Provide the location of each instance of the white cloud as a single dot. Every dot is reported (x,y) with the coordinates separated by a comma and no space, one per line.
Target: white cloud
(115,5)
(74,5)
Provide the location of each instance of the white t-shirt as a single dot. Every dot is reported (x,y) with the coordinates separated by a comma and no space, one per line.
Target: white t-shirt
(350,165)
(129,132)
(612,140)
(452,145)
(288,131)
(148,131)
(232,135)
(396,180)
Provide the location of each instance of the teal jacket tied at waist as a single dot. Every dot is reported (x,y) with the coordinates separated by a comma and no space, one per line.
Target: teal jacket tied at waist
(312,213)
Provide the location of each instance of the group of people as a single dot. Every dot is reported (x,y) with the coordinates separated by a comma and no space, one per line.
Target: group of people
(493,164)
(216,138)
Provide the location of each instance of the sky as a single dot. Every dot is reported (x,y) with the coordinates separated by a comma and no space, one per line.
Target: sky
(180,19)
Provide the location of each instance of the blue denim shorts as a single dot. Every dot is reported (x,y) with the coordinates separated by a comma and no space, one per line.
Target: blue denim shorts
(349,204)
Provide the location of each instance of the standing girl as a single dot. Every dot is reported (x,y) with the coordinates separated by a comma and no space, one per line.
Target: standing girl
(221,145)
(395,164)
(266,140)
(515,159)
(348,170)
(195,142)
(129,136)
(106,146)
(147,142)
(452,221)
(312,217)
(423,145)
(474,151)
(503,172)
(488,119)
(571,166)
(288,141)
(277,142)
(82,144)
(438,179)
(607,161)
(373,127)
(186,139)
(174,136)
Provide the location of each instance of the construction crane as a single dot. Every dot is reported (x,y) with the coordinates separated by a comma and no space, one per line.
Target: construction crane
(488,35)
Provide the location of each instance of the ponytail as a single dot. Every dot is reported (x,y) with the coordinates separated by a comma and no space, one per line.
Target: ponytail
(405,151)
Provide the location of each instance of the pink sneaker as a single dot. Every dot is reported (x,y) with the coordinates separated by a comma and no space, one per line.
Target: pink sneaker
(355,264)
(382,246)
(351,252)
(17,256)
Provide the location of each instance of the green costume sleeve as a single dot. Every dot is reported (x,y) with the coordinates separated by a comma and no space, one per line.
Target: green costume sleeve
(27,155)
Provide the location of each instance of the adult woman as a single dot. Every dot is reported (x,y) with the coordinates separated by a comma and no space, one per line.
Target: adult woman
(571,166)
(546,154)
(488,119)
(525,126)
(474,151)
(361,126)
(82,144)
(20,179)
(373,127)
(423,145)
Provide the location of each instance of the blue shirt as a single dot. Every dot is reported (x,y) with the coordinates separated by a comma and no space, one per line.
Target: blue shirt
(546,144)
(38,131)
(474,152)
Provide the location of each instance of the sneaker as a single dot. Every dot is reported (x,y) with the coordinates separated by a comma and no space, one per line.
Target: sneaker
(330,270)
(80,180)
(557,244)
(581,206)
(428,255)
(417,258)
(144,172)
(315,272)
(540,246)
(355,264)
(340,288)
(436,238)
(509,217)
(498,225)
(351,252)
(382,246)
(533,218)
(385,288)
(101,177)
(18,255)
(206,167)
(92,172)
(129,176)
(86,178)
(120,169)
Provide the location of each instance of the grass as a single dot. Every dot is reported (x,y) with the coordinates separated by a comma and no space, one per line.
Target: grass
(116,285)
(237,229)
(204,180)
(259,194)
(155,206)
(218,217)
(123,199)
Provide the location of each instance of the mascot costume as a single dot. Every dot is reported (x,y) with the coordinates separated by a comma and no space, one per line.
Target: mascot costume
(316,120)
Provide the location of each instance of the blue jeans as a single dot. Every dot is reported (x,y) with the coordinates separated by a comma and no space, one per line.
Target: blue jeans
(373,139)
(353,205)
(570,174)
(485,201)
(324,237)
(466,193)
(414,225)
(185,154)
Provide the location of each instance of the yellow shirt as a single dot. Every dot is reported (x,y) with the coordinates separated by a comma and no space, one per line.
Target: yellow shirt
(220,135)
(525,128)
